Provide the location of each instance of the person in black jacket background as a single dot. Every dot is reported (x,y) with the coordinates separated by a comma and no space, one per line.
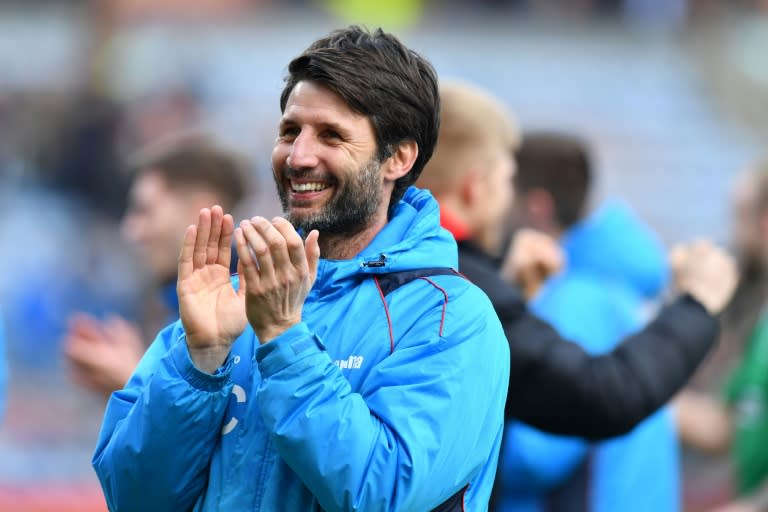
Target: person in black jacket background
(554,384)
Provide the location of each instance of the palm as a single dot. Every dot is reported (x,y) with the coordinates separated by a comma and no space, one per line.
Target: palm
(209,307)
(212,312)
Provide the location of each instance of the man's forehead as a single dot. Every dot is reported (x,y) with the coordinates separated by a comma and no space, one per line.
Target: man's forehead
(310,98)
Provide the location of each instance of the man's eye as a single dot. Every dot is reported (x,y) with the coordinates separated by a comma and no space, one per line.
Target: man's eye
(332,134)
(289,132)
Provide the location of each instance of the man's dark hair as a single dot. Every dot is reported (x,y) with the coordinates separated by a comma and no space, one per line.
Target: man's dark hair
(559,164)
(379,77)
(197,162)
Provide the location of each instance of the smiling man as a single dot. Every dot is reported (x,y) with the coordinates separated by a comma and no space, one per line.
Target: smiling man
(349,368)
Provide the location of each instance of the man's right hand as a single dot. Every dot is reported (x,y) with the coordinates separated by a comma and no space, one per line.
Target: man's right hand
(212,312)
(705,272)
(102,354)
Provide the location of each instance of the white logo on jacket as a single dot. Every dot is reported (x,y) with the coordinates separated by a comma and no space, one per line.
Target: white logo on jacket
(239,393)
(351,363)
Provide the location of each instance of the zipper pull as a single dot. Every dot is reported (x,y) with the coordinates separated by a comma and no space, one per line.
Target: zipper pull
(376,263)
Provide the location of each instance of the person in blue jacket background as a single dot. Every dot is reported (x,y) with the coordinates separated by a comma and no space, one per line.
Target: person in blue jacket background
(615,268)
(172,180)
(314,383)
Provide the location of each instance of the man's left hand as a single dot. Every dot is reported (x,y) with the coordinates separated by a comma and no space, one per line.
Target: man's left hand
(278,270)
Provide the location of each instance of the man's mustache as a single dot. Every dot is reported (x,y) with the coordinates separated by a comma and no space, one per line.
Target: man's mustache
(308,174)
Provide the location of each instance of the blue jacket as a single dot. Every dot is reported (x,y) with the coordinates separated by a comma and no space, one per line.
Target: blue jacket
(369,403)
(615,267)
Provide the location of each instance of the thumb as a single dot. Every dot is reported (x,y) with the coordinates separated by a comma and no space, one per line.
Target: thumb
(312,249)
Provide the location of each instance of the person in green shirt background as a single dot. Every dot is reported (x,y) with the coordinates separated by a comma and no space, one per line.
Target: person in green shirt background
(747,398)
(737,422)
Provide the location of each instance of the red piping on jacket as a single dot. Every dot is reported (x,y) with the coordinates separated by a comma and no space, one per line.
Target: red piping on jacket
(389,318)
(386,311)
(445,303)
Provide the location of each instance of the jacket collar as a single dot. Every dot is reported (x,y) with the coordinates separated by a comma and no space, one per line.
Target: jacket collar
(411,239)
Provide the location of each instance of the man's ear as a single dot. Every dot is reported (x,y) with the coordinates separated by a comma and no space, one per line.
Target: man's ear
(471,189)
(401,161)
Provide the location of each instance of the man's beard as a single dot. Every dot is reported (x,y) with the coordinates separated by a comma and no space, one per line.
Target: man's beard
(351,208)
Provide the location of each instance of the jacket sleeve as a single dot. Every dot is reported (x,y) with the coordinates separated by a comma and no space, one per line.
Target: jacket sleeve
(556,386)
(159,432)
(422,426)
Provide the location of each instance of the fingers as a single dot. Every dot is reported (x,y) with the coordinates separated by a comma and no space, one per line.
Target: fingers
(277,246)
(200,252)
(271,251)
(294,243)
(224,257)
(82,351)
(217,218)
(260,249)
(85,326)
(278,238)
(207,243)
(312,249)
(706,272)
(84,347)
(695,253)
(187,248)
(246,265)
(532,258)
(243,288)
(124,333)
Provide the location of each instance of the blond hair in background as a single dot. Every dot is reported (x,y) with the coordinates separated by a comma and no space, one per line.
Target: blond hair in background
(471,123)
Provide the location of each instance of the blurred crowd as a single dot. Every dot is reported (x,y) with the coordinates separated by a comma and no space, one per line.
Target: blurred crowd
(94,93)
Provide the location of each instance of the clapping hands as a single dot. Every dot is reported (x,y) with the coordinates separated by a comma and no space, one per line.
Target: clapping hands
(276,270)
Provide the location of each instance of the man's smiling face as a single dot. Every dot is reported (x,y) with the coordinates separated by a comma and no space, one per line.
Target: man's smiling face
(324,163)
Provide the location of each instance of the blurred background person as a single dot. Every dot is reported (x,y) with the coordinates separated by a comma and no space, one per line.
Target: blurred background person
(615,269)
(555,384)
(171,184)
(736,422)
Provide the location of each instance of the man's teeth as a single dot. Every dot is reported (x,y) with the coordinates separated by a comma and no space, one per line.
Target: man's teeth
(308,187)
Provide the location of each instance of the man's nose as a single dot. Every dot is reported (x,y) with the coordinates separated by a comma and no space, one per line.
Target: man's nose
(304,151)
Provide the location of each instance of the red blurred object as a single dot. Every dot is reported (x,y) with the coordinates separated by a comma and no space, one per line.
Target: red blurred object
(56,497)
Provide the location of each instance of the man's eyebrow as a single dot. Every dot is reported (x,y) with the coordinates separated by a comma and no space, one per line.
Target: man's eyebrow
(334,126)
(327,125)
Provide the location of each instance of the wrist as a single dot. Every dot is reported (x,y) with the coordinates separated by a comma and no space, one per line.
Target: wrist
(208,359)
(268,333)
(703,299)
